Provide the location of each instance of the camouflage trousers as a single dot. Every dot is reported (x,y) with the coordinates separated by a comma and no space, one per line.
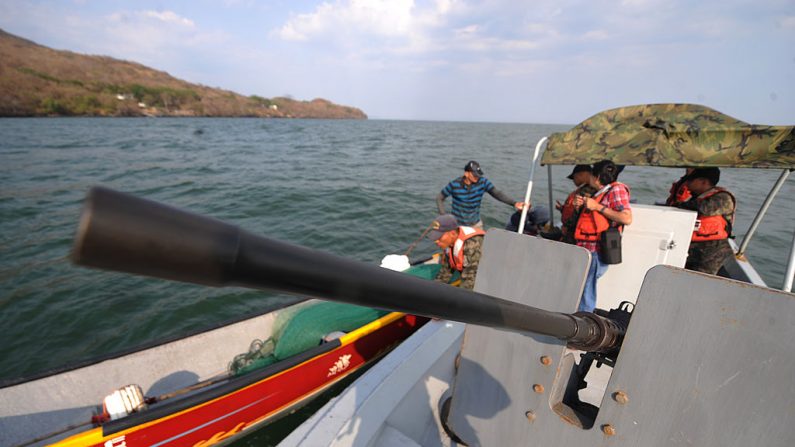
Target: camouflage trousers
(708,256)
(472,251)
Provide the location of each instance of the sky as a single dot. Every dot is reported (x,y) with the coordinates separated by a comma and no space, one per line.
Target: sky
(541,61)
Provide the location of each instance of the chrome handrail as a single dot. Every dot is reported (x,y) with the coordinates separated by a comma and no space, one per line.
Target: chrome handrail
(761,213)
(520,230)
(551,222)
(788,276)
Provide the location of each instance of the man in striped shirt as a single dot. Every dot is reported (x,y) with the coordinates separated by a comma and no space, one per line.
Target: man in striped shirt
(467,193)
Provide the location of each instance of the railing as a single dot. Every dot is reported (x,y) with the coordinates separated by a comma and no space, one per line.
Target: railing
(526,207)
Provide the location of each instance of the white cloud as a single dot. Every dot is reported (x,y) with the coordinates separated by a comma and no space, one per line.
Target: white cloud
(467,31)
(538,28)
(598,34)
(169,17)
(378,18)
(641,3)
(367,30)
(238,3)
(787,22)
(151,18)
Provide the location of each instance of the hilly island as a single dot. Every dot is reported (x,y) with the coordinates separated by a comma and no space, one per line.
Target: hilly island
(40,81)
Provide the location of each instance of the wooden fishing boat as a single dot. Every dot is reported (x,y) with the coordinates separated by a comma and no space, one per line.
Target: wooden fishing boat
(191,398)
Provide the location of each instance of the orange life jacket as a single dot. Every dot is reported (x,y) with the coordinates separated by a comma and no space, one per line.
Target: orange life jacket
(678,193)
(712,228)
(568,206)
(455,255)
(591,224)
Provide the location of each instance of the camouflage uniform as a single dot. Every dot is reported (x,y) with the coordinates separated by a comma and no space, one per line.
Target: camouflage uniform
(709,256)
(472,249)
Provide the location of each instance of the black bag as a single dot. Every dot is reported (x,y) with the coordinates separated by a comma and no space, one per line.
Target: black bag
(610,246)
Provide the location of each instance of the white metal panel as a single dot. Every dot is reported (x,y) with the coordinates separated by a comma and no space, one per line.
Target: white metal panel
(658,235)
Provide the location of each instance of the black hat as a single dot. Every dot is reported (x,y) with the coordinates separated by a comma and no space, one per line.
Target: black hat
(577,169)
(474,167)
(711,174)
(606,171)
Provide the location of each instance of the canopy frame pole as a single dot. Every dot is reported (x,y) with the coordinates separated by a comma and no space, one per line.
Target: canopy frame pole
(788,276)
(525,208)
(551,222)
(761,213)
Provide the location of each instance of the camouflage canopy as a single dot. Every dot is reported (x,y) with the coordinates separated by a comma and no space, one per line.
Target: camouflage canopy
(673,135)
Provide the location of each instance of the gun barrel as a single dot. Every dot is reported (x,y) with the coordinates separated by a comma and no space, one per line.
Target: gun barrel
(125,233)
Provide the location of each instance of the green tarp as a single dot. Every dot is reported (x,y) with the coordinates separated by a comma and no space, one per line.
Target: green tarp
(673,135)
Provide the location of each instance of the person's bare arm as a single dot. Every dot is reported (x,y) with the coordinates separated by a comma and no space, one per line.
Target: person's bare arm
(440,203)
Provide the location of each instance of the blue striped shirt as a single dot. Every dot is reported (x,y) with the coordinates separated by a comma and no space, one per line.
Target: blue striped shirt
(467,198)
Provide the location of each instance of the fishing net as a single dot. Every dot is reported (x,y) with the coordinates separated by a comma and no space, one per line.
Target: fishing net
(304,325)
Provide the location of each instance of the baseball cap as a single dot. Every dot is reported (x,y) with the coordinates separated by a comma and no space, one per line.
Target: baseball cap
(578,169)
(441,225)
(474,167)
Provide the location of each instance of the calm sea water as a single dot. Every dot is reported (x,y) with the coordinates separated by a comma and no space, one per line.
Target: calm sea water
(361,189)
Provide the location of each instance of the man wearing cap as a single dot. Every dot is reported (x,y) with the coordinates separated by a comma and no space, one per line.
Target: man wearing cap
(461,246)
(536,218)
(569,214)
(709,245)
(467,192)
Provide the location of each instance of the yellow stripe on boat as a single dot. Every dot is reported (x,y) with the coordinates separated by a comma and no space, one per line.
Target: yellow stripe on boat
(369,328)
(91,437)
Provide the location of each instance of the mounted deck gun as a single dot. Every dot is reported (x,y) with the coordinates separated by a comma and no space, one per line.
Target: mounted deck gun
(130,234)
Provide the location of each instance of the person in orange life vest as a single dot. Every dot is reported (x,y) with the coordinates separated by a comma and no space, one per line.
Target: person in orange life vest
(709,245)
(462,248)
(569,214)
(608,207)
(679,192)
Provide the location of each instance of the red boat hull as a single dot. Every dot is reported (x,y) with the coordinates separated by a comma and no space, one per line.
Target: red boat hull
(228,415)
